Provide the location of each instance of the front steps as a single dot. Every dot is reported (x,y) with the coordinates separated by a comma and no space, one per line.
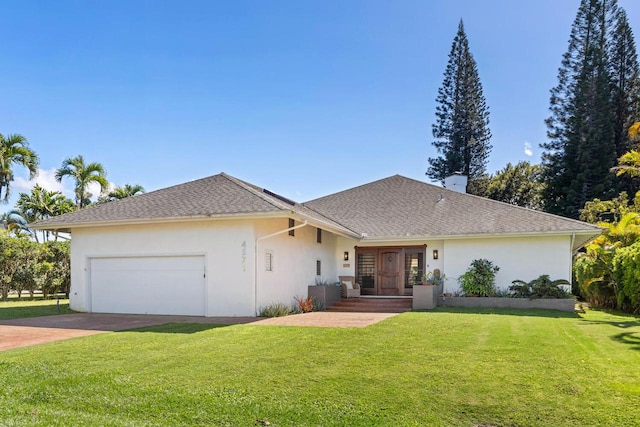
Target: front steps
(372,305)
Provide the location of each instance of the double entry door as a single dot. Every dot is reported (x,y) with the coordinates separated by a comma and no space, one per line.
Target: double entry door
(389,270)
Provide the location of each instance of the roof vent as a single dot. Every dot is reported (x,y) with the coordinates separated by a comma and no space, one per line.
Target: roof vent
(456,182)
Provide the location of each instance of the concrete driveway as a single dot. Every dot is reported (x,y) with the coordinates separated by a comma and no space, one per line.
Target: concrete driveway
(38,330)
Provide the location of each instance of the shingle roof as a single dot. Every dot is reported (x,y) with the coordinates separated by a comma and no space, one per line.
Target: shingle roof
(399,207)
(216,196)
(391,208)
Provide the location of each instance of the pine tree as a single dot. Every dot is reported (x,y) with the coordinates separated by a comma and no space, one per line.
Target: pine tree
(590,108)
(461,132)
(625,90)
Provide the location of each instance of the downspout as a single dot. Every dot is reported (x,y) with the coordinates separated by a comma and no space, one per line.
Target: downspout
(255,264)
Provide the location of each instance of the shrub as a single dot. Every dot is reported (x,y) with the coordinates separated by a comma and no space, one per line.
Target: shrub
(479,279)
(305,305)
(318,305)
(626,271)
(542,287)
(276,309)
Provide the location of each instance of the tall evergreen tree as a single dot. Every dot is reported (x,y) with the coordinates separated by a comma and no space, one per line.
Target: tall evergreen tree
(588,107)
(625,90)
(461,132)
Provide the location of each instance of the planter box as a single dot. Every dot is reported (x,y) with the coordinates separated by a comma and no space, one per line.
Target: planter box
(325,295)
(565,304)
(425,297)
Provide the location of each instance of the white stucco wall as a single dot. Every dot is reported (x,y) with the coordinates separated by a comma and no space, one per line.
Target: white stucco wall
(524,258)
(229,263)
(294,261)
(228,249)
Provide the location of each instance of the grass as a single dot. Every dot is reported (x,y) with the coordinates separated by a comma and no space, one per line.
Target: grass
(15,308)
(449,367)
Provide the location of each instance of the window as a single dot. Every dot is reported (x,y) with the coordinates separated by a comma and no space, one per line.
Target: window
(413,267)
(318,268)
(291,224)
(366,269)
(268,261)
(319,235)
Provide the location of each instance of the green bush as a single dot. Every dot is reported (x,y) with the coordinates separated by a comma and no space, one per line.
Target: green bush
(593,274)
(479,279)
(542,287)
(626,272)
(276,309)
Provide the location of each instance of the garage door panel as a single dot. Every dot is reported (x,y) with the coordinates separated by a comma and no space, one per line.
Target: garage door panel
(148,285)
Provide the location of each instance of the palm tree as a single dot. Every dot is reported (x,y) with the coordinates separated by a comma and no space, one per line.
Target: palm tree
(125,191)
(14,222)
(83,174)
(42,204)
(14,150)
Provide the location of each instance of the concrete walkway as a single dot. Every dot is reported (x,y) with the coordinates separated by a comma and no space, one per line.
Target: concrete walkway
(328,319)
(38,330)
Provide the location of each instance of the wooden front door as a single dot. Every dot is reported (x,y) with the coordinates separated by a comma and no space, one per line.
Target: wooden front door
(390,272)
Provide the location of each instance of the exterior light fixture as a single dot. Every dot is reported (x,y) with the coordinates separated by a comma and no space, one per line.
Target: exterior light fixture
(346,256)
(435,254)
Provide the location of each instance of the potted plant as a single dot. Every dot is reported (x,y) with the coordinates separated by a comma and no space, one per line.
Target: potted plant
(433,278)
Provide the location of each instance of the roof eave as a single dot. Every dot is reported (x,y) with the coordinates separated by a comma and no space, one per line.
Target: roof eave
(387,239)
(69,226)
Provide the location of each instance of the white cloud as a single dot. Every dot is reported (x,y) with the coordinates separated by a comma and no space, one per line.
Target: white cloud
(46,179)
(527,149)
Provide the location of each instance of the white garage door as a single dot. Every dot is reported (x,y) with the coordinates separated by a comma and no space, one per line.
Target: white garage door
(148,285)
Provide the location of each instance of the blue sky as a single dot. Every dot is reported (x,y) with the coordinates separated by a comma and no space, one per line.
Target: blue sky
(304,98)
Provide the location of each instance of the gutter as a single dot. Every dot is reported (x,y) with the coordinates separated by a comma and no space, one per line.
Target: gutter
(479,236)
(255,263)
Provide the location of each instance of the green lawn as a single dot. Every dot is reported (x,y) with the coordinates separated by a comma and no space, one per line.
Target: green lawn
(447,367)
(15,308)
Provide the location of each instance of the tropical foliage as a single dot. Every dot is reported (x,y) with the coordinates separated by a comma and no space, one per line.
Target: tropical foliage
(14,150)
(594,269)
(127,190)
(480,279)
(83,175)
(27,266)
(626,271)
(42,204)
(542,287)
(461,132)
(613,210)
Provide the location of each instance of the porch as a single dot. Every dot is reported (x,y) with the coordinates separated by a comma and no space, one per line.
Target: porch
(393,270)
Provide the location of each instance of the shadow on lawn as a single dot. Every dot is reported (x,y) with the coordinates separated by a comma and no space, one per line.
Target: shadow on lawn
(631,321)
(178,328)
(507,312)
(7,312)
(629,338)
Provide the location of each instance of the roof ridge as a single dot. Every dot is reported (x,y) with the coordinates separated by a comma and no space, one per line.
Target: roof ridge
(348,189)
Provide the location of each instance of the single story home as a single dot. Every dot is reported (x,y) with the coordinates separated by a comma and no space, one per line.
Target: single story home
(219,246)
